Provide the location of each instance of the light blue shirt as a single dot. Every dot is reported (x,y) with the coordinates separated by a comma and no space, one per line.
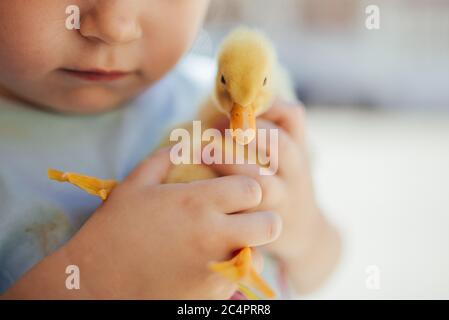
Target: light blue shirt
(38,215)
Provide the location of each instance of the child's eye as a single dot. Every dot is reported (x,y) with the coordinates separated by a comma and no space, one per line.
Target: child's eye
(223,80)
(265,81)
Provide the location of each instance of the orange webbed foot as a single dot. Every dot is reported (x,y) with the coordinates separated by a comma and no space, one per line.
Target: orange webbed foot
(97,187)
(241,271)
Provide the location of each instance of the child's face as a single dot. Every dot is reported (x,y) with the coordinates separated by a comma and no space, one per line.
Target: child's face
(121,48)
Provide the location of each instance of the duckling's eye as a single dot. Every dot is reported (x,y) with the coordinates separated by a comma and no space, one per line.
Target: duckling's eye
(223,80)
(265,81)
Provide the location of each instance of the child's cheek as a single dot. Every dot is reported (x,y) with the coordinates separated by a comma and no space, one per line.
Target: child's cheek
(159,59)
(167,41)
(23,64)
(31,42)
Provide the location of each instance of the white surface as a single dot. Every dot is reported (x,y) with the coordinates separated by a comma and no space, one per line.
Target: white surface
(383,178)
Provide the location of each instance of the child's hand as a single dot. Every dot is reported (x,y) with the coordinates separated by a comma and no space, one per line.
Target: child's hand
(152,240)
(157,240)
(290,191)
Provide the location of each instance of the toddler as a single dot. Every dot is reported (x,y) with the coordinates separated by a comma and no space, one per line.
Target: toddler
(98,100)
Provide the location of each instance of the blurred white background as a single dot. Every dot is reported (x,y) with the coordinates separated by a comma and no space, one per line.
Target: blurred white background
(378,125)
(383,178)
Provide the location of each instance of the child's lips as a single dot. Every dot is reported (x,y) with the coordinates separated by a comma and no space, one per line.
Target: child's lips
(97,74)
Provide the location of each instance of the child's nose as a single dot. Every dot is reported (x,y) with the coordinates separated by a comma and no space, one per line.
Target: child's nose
(112,21)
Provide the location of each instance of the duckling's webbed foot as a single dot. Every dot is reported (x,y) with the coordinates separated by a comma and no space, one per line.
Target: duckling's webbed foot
(97,187)
(240,270)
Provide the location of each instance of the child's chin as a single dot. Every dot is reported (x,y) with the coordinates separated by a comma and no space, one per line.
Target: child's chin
(87,109)
(90,104)
(81,109)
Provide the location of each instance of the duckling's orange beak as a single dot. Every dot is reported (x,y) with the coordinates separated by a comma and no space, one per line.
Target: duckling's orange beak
(243,124)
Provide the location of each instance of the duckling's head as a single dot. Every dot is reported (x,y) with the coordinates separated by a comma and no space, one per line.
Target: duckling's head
(244,86)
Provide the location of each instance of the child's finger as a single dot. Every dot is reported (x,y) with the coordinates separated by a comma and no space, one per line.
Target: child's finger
(152,170)
(288,116)
(252,229)
(281,156)
(245,169)
(284,153)
(272,186)
(228,194)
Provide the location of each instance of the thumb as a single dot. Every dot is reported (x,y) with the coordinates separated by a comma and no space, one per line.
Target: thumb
(152,170)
